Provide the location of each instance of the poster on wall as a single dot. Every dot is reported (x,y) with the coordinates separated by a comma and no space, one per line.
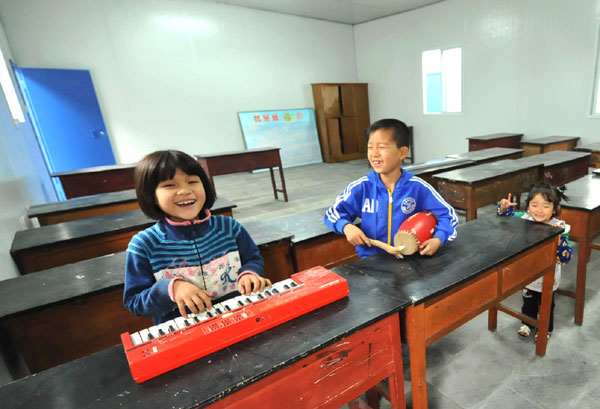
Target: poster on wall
(292,130)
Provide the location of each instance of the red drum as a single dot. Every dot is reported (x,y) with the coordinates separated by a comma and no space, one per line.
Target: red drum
(415,230)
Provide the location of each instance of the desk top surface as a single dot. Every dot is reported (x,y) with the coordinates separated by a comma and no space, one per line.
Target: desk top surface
(83,202)
(494,136)
(591,147)
(303,226)
(554,158)
(103,380)
(486,154)
(481,244)
(486,171)
(93,226)
(438,165)
(95,169)
(583,193)
(547,140)
(234,153)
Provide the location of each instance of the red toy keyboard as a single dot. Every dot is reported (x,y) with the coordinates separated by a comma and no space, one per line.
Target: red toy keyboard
(161,348)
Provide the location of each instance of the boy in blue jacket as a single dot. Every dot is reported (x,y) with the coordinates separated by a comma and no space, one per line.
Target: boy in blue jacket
(388,195)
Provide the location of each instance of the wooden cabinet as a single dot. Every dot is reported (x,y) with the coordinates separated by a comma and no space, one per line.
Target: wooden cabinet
(342,114)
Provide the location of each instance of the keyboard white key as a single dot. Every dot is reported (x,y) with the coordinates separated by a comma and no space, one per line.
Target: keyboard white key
(180,322)
(136,338)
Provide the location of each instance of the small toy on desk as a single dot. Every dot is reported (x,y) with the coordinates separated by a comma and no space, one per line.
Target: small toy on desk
(415,230)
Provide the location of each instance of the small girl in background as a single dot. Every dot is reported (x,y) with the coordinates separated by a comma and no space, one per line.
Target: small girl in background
(543,205)
(189,259)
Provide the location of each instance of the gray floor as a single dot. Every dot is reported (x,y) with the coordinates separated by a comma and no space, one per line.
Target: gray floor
(471,368)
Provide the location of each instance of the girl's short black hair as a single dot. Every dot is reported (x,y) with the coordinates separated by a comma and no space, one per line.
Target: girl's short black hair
(399,130)
(549,193)
(162,165)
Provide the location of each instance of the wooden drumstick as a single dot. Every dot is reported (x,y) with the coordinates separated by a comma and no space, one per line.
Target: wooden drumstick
(393,250)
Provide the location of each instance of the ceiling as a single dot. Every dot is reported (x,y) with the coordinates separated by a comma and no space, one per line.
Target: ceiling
(339,11)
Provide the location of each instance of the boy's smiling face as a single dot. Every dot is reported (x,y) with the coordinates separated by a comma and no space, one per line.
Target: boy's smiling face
(383,153)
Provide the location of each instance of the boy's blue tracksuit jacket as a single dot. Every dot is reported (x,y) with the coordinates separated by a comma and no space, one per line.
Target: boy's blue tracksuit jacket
(382,212)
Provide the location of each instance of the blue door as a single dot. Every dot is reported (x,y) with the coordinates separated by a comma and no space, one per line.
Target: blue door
(66,117)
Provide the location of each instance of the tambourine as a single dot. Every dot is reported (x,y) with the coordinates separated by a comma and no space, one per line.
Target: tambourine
(415,230)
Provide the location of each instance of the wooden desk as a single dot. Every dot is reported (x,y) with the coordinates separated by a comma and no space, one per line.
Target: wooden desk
(99,179)
(313,244)
(244,161)
(322,359)
(495,140)
(84,207)
(58,244)
(594,149)
(560,167)
(489,155)
(491,259)
(582,212)
(426,170)
(548,144)
(480,185)
(71,311)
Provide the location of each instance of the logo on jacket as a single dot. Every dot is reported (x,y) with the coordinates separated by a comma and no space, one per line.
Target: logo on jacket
(370,206)
(408,205)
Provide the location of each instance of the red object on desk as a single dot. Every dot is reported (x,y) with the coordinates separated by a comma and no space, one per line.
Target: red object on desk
(306,291)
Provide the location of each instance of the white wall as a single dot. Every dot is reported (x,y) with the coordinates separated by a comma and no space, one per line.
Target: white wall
(175,73)
(22,180)
(529,68)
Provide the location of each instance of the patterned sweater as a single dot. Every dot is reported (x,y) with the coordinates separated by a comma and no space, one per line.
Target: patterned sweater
(211,253)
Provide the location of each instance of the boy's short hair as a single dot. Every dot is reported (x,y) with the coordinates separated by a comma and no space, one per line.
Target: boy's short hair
(162,165)
(399,130)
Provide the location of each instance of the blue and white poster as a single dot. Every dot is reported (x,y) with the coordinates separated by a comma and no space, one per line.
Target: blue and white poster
(292,130)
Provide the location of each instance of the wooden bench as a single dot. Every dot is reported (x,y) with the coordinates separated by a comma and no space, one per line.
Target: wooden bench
(245,161)
(495,140)
(84,207)
(549,144)
(489,155)
(58,244)
(74,310)
(560,167)
(594,149)
(99,179)
(470,188)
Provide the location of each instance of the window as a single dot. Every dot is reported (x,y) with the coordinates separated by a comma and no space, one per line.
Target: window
(595,111)
(9,91)
(442,81)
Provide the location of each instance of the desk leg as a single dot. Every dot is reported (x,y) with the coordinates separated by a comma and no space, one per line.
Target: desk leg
(415,334)
(396,380)
(545,305)
(583,255)
(273,183)
(283,188)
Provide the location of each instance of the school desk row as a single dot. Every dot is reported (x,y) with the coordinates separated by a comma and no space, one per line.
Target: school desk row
(334,354)
(288,244)
(467,181)
(534,146)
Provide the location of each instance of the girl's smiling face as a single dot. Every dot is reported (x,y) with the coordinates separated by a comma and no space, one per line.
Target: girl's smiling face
(540,209)
(181,197)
